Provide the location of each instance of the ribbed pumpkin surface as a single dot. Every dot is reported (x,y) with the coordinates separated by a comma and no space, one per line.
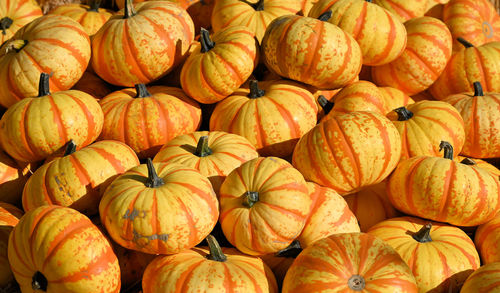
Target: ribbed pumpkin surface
(486,239)
(486,279)
(91,20)
(403,9)
(21,12)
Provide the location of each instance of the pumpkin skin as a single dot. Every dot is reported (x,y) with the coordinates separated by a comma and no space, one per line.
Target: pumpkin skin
(72,255)
(9,217)
(16,14)
(272,120)
(147,118)
(158,35)
(427,52)
(208,270)
(293,48)
(444,190)
(481,115)
(219,66)
(394,98)
(156,218)
(441,257)
(380,35)
(53,44)
(483,280)
(91,18)
(468,66)
(349,262)
(477,21)
(36,128)
(329,215)
(486,240)
(77,180)
(404,10)
(13,177)
(270,220)
(215,154)
(423,125)
(334,152)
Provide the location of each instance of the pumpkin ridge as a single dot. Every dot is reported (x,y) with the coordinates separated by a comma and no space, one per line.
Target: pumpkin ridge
(424,63)
(271,230)
(469,257)
(288,117)
(132,54)
(93,128)
(75,54)
(390,42)
(63,134)
(482,199)
(316,41)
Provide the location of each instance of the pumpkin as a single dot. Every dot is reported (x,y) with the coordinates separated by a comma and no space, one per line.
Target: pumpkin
(329,215)
(72,255)
(423,125)
(468,66)
(9,217)
(380,35)
(427,52)
(215,154)
(349,262)
(335,154)
(486,240)
(477,21)
(157,34)
(444,190)
(35,128)
(480,163)
(16,14)
(52,44)
(219,65)
(93,85)
(208,269)
(91,17)
(404,10)
(161,208)
(201,13)
(272,115)
(371,205)
(480,113)
(311,51)
(484,279)
(13,177)
(255,15)
(145,119)
(78,179)
(394,98)
(264,205)
(440,256)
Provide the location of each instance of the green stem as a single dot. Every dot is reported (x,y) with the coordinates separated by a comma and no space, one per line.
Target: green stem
(216,253)
(478,89)
(325,104)
(5,23)
(44,85)
(202,149)
(403,113)
(325,16)
(129,9)
(255,91)
(153,179)
(448,149)
(251,197)
(424,234)
(468,161)
(465,43)
(39,282)
(206,43)
(70,148)
(142,91)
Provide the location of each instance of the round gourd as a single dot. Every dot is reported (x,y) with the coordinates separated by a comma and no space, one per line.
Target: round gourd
(394,98)
(484,279)
(91,17)
(486,239)
(404,10)
(16,14)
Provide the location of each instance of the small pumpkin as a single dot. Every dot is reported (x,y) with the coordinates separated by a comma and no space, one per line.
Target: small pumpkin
(484,279)
(486,239)
(394,98)
(404,10)
(16,14)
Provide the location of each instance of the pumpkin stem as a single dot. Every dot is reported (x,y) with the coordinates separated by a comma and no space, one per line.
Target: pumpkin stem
(259,6)
(94,6)
(468,161)
(255,91)
(206,43)
(142,91)
(424,234)
(215,250)
(129,9)
(465,43)
(325,16)
(251,197)
(202,149)
(370,1)
(448,149)
(325,104)
(153,179)
(403,113)
(356,283)
(478,89)
(14,45)
(291,250)
(39,282)
(44,85)
(70,148)
(5,23)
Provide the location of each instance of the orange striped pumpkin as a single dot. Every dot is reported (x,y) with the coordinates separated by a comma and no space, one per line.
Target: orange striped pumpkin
(440,256)
(394,98)
(427,51)
(52,44)
(444,190)
(380,35)
(92,18)
(349,262)
(476,21)
(157,34)
(423,125)
(272,115)
(335,154)
(215,154)
(264,205)
(218,66)
(311,51)
(16,14)
(480,163)
(78,179)
(486,279)
(404,10)
(329,215)
(467,66)
(161,208)
(9,217)
(71,253)
(486,239)
(204,269)
(13,177)
(147,118)
(36,128)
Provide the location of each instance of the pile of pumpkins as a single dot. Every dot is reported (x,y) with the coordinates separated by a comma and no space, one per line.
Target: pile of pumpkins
(250,146)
